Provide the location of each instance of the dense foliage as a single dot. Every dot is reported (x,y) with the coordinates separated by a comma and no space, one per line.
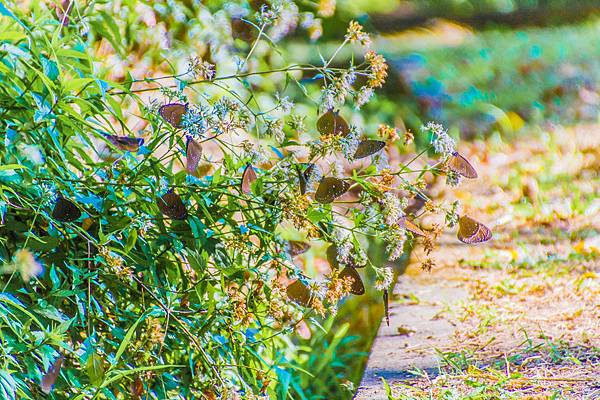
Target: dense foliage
(146,220)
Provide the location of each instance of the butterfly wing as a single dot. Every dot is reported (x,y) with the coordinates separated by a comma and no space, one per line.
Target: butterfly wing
(126,143)
(411,226)
(248,176)
(330,188)
(65,210)
(471,231)
(49,377)
(462,166)
(299,293)
(367,148)
(332,123)
(296,247)
(358,287)
(172,206)
(173,113)
(193,153)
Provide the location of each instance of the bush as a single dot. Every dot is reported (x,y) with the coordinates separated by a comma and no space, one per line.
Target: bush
(146,223)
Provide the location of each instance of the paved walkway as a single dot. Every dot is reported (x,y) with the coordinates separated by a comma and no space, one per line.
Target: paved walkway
(520,315)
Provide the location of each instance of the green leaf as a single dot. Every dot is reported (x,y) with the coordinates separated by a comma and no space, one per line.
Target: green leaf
(127,339)
(95,369)
(8,389)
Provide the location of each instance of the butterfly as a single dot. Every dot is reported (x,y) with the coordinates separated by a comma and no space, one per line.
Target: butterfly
(125,143)
(49,377)
(136,388)
(367,148)
(411,226)
(193,153)
(461,166)
(296,247)
(65,210)
(304,177)
(332,123)
(173,113)
(471,231)
(298,292)
(248,176)
(357,287)
(331,188)
(172,206)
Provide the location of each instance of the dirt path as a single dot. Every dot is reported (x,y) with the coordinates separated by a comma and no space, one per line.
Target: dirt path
(518,317)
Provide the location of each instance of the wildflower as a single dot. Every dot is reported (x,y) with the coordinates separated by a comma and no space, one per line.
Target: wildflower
(313,178)
(25,264)
(315,30)
(296,122)
(154,333)
(452,178)
(173,94)
(391,208)
(441,141)
(395,237)
(326,8)
(115,263)
(355,33)
(452,214)
(387,180)
(274,128)
(387,132)
(381,161)
(286,20)
(266,16)
(284,103)
(363,96)
(338,288)
(318,306)
(408,137)
(384,279)
(350,143)
(201,69)
(194,122)
(378,69)
(348,78)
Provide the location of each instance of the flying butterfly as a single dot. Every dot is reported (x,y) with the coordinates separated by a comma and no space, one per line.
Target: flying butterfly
(172,206)
(173,113)
(332,123)
(49,377)
(248,176)
(367,148)
(358,287)
(125,143)
(299,292)
(65,210)
(471,231)
(296,247)
(411,226)
(461,166)
(193,153)
(330,188)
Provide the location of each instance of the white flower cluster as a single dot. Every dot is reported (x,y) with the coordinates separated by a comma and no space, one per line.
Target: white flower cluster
(350,142)
(392,208)
(194,122)
(384,279)
(395,237)
(441,141)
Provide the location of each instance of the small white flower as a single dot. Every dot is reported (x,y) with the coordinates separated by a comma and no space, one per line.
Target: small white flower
(350,143)
(384,279)
(392,208)
(285,104)
(441,141)
(363,96)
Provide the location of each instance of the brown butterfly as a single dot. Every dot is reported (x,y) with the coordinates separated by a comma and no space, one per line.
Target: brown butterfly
(296,247)
(49,377)
(330,188)
(65,210)
(411,226)
(471,231)
(461,166)
(358,287)
(332,123)
(193,153)
(248,176)
(304,177)
(173,113)
(299,292)
(126,143)
(172,206)
(367,148)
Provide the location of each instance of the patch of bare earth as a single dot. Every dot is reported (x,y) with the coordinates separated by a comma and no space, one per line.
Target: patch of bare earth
(519,316)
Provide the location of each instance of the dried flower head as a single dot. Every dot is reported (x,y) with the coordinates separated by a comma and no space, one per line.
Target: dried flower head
(378,68)
(355,33)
